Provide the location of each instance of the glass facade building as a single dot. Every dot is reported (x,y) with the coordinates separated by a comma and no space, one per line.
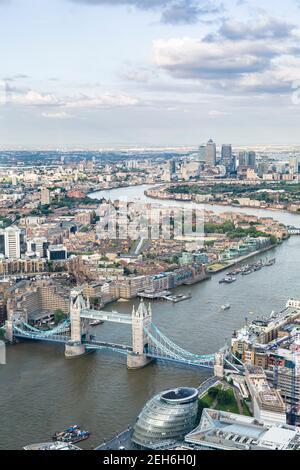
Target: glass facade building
(168,416)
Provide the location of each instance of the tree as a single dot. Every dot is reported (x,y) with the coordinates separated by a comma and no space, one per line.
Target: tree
(95,301)
(59,316)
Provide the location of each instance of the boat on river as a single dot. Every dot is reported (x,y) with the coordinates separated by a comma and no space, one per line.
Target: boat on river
(71,435)
(51,446)
(227,280)
(225,307)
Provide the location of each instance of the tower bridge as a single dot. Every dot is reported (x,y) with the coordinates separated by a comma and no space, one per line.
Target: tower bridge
(148,342)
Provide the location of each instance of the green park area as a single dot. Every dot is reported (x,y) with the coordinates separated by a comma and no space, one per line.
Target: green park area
(223,400)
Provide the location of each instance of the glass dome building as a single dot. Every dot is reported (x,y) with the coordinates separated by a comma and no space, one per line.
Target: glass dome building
(168,416)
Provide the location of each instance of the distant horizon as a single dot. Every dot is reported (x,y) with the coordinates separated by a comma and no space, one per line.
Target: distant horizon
(100,72)
(140,147)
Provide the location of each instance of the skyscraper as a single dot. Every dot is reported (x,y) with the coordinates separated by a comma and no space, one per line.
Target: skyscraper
(172,167)
(226,157)
(247,159)
(12,238)
(211,153)
(202,153)
(294,164)
(252,159)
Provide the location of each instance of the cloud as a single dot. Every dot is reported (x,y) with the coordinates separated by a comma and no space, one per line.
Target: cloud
(106,100)
(58,115)
(172,11)
(265,27)
(260,57)
(32,98)
(143,4)
(217,113)
(191,58)
(188,11)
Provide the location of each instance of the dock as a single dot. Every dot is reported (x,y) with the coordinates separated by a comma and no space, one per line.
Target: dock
(164,295)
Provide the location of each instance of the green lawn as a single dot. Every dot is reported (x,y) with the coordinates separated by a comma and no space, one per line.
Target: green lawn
(227,401)
(224,399)
(246,410)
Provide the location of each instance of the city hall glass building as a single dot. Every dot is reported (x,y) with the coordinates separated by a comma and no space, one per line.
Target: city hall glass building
(168,416)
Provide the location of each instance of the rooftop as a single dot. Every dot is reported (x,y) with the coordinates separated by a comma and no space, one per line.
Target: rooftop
(180,395)
(228,431)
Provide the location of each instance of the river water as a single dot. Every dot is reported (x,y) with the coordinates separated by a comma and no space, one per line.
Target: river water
(42,392)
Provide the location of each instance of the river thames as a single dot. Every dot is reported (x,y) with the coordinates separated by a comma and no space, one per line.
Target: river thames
(42,392)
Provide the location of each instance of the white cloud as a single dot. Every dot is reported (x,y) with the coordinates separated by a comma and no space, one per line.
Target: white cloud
(31,98)
(34,98)
(101,101)
(192,58)
(58,115)
(217,113)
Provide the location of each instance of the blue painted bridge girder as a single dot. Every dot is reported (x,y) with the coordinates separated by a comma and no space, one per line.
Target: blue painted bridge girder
(159,347)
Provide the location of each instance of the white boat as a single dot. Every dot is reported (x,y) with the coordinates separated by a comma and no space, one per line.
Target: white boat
(225,307)
(96,322)
(51,446)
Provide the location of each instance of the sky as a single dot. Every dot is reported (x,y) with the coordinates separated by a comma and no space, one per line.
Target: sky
(149,72)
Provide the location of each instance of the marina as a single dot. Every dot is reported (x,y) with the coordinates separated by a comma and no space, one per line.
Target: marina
(246,270)
(164,295)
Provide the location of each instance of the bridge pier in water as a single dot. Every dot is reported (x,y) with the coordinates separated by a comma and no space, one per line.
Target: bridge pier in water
(75,348)
(141,320)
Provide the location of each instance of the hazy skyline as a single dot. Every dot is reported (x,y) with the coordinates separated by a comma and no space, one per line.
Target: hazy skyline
(149,72)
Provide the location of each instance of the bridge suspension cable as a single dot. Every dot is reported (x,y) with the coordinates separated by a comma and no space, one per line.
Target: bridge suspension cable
(174,346)
(25,329)
(162,350)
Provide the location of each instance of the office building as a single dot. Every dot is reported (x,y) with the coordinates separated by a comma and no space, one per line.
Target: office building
(35,300)
(247,159)
(227,158)
(172,167)
(169,416)
(211,153)
(294,164)
(12,241)
(268,404)
(37,247)
(45,197)
(57,253)
(220,430)
(202,153)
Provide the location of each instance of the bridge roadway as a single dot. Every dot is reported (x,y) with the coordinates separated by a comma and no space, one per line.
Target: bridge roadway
(51,339)
(94,344)
(113,317)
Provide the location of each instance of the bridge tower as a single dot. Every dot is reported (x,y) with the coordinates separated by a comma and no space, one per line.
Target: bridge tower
(9,326)
(219,364)
(141,320)
(75,347)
